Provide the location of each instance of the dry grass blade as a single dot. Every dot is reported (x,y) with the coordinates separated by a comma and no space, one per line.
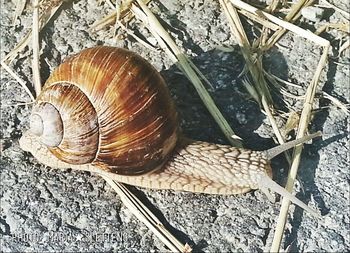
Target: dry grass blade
(142,16)
(344,46)
(43,20)
(107,20)
(276,80)
(307,109)
(18,79)
(20,5)
(344,27)
(253,61)
(262,21)
(17,104)
(302,129)
(36,48)
(137,38)
(273,6)
(292,16)
(292,122)
(122,14)
(201,75)
(346,14)
(336,102)
(18,48)
(147,217)
(164,39)
(286,25)
(251,90)
(254,65)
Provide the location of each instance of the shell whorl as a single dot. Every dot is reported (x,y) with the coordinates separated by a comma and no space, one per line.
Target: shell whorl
(44,121)
(116,111)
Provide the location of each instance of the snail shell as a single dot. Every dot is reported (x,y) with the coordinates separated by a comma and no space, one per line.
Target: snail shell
(109,107)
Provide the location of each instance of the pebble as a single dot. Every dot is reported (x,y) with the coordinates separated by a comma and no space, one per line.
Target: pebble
(312,13)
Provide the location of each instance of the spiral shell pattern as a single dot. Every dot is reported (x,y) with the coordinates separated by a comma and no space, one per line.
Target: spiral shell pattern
(116,110)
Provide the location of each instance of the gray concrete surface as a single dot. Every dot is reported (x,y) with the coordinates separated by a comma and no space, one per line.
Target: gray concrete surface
(45,209)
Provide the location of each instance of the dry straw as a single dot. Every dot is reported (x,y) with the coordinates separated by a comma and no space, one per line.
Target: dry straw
(36,48)
(147,217)
(175,54)
(309,96)
(258,86)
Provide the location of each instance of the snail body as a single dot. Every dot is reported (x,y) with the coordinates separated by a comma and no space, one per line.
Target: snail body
(108,111)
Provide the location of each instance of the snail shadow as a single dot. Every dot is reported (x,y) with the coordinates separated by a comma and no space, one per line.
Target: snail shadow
(223,70)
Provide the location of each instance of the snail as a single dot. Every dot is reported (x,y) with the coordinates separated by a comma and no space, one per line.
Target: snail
(108,111)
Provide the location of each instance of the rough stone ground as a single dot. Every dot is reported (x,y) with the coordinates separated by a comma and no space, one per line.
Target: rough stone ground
(44,209)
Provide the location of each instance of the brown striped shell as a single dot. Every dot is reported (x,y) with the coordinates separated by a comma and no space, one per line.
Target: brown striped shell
(109,107)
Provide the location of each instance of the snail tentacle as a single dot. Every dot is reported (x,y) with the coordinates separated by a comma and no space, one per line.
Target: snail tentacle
(275,151)
(266,183)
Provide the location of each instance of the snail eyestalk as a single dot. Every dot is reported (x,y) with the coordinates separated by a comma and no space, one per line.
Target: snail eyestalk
(266,183)
(46,123)
(275,151)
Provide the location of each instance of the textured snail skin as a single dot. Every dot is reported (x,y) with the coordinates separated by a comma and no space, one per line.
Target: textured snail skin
(194,166)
